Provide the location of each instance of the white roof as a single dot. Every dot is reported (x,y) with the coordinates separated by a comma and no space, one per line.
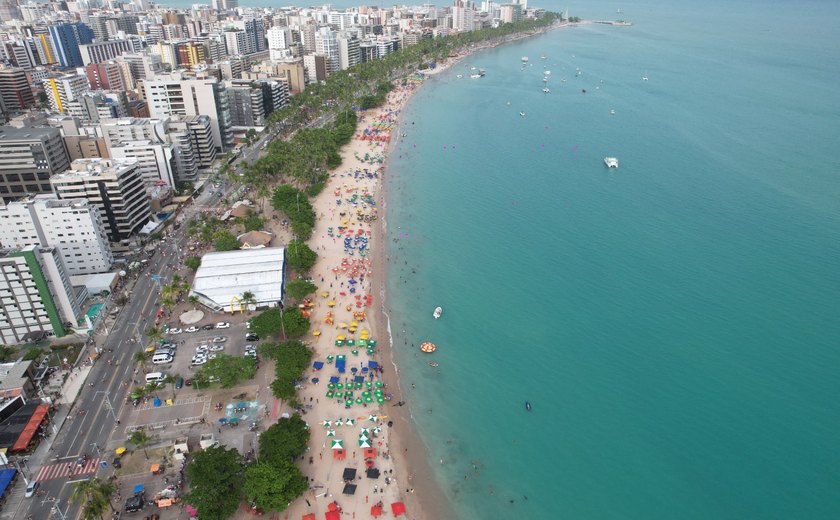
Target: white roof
(227,275)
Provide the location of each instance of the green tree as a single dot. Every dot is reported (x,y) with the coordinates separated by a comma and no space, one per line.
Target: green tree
(171,379)
(291,359)
(154,334)
(8,353)
(193,263)
(300,257)
(299,289)
(140,439)
(284,441)
(33,353)
(253,223)
(228,371)
(94,495)
(139,357)
(167,302)
(272,487)
(295,324)
(267,324)
(211,471)
(225,241)
(193,300)
(248,300)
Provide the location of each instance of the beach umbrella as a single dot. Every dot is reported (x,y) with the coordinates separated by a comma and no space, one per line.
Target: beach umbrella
(372,418)
(354,352)
(342,325)
(364,431)
(341,337)
(364,443)
(325,294)
(120,450)
(331,303)
(330,394)
(326,424)
(339,422)
(337,444)
(350,422)
(354,324)
(316,333)
(330,433)
(315,380)
(380,400)
(359,400)
(377,430)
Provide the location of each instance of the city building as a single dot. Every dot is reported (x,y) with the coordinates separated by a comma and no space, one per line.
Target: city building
(15,90)
(97,52)
(246,104)
(36,298)
(224,277)
(67,39)
(74,226)
(114,186)
(28,157)
(61,90)
(349,52)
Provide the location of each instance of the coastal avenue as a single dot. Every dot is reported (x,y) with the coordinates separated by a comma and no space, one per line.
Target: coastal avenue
(88,433)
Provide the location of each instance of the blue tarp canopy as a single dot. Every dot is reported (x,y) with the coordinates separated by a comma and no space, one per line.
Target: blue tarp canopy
(339,364)
(6,477)
(373,364)
(359,379)
(318,365)
(334,379)
(138,488)
(315,379)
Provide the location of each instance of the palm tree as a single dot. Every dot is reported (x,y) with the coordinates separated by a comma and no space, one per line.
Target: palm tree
(167,302)
(248,299)
(95,496)
(140,439)
(171,379)
(139,357)
(154,334)
(193,299)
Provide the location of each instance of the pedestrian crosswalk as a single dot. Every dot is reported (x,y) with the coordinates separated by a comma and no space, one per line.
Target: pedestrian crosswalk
(67,469)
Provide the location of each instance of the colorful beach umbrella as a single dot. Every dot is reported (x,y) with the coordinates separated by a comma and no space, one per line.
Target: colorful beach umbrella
(364,444)
(372,418)
(316,333)
(326,424)
(350,422)
(337,444)
(330,433)
(339,422)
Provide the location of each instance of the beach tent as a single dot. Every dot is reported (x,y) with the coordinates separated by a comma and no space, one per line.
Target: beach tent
(349,489)
(369,453)
(339,454)
(318,365)
(398,508)
(334,379)
(349,474)
(375,511)
(332,515)
(309,516)
(372,473)
(373,364)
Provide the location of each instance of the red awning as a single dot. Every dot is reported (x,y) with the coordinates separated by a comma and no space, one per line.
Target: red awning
(398,508)
(375,511)
(332,515)
(310,516)
(369,453)
(31,428)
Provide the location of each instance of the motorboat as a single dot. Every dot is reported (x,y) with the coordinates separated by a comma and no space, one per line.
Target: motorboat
(611,162)
(528,405)
(438,312)
(459,76)
(612,112)
(547,72)
(542,57)
(475,76)
(546,91)
(482,72)
(522,114)
(524,59)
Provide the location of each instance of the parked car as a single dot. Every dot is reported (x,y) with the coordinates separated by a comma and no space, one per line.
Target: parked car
(223,325)
(219,339)
(179,383)
(174,331)
(207,327)
(202,349)
(198,360)
(251,353)
(32,488)
(251,337)
(193,329)
(216,347)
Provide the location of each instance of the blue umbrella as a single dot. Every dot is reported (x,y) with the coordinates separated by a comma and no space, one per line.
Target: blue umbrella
(354,370)
(138,488)
(352,281)
(315,379)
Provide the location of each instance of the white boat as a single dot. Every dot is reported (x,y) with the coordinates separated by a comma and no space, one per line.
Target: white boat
(612,112)
(459,76)
(611,162)
(437,312)
(546,91)
(547,73)
(522,114)
(524,59)
(542,57)
(475,76)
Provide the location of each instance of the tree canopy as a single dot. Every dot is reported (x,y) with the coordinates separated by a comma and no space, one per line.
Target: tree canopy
(267,323)
(272,487)
(291,359)
(299,289)
(300,257)
(225,241)
(193,263)
(227,371)
(216,480)
(284,441)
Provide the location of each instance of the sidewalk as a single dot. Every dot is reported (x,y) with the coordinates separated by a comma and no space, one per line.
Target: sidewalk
(43,453)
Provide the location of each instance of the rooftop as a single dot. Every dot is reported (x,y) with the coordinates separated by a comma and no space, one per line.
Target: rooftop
(224,277)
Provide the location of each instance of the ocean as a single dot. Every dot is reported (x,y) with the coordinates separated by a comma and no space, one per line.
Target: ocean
(673,323)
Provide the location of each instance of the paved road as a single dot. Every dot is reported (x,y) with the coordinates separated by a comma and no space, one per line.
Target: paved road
(92,420)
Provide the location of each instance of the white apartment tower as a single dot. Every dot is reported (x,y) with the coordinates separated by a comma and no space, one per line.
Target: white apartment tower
(74,226)
(326,45)
(114,186)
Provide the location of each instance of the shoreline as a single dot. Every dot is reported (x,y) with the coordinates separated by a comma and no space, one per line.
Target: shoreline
(402,455)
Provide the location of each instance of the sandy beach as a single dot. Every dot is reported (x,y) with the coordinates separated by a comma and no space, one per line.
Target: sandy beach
(359,220)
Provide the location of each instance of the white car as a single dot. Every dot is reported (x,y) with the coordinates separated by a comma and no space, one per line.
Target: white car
(223,325)
(32,488)
(219,339)
(192,329)
(198,359)
(216,348)
(212,356)
(174,331)
(251,353)
(202,349)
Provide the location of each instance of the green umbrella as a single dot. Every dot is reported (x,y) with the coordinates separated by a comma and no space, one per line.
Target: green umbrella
(338,343)
(362,343)
(348,403)
(339,422)
(339,385)
(357,385)
(337,444)
(372,418)
(330,394)
(350,422)
(354,352)
(359,400)
(364,444)
(378,384)
(368,384)
(350,342)
(330,433)
(364,431)
(380,400)
(368,399)
(377,430)
(372,343)
(326,424)
(330,385)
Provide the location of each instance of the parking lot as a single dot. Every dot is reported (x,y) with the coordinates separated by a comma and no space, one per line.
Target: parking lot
(230,341)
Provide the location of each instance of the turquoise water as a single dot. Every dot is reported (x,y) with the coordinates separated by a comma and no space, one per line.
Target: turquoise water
(674,322)
(94,310)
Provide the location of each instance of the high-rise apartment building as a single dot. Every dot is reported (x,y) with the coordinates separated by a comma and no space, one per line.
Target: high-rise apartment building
(327,46)
(246,104)
(66,39)
(105,76)
(173,94)
(112,185)
(36,298)
(28,157)
(97,52)
(15,90)
(74,226)
(62,90)
(349,52)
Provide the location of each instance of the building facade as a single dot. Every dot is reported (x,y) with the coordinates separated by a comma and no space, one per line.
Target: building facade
(28,157)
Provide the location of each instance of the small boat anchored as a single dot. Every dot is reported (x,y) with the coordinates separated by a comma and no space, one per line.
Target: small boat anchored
(611,162)
(528,405)
(438,312)
(522,114)
(546,91)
